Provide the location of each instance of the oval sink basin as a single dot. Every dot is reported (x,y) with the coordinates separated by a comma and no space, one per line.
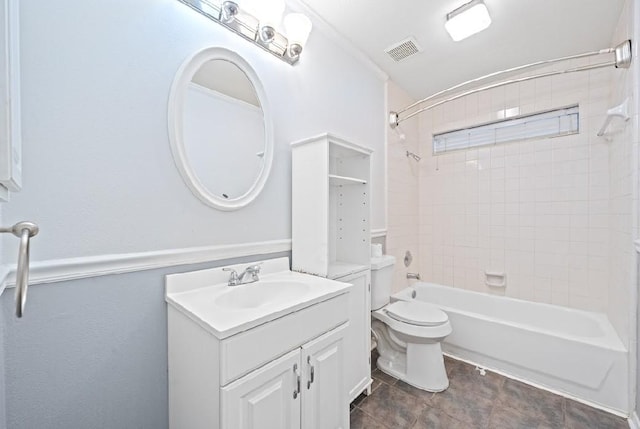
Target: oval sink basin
(260,294)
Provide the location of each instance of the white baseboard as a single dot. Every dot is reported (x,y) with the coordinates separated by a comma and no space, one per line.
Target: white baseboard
(57,270)
(634,421)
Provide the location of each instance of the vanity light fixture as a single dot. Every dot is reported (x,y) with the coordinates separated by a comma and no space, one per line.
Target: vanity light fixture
(269,12)
(298,27)
(468,19)
(257,21)
(228,12)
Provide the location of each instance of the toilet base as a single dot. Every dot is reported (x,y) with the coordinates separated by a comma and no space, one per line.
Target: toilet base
(422,366)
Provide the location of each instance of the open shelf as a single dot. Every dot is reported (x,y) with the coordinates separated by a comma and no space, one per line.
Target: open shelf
(335,180)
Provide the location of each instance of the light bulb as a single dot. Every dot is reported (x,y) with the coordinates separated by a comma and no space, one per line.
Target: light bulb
(297,26)
(268,12)
(228,11)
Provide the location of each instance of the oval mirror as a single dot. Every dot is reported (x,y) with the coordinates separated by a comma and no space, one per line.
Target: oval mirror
(220,129)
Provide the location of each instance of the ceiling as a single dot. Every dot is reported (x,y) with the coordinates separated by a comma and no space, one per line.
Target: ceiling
(522,31)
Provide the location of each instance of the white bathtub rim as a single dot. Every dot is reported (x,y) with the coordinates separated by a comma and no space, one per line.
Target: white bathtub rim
(596,405)
(634,421)
(609,340)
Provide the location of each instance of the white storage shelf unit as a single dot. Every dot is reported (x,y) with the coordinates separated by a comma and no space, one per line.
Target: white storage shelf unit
(331,206)
(331,235)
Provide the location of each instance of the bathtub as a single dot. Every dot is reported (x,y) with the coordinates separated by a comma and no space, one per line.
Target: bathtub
(572,352)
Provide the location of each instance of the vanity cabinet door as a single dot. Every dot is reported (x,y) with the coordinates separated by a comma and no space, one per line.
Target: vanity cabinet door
(267,398)
(358,337)
(324,401)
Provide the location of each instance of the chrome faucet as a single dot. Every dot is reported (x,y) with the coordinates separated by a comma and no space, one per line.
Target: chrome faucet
(236,279)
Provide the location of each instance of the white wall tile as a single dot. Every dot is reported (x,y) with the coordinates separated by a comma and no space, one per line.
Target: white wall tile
(555,214)
(540,209)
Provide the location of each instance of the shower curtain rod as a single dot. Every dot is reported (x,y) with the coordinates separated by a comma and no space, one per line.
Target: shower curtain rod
(622,60)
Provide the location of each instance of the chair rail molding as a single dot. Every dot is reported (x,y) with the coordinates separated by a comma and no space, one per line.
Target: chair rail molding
(58,270)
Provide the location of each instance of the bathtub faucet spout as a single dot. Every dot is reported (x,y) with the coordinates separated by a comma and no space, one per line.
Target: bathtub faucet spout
(414,276)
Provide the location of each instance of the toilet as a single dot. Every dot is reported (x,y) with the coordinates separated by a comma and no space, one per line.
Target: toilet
(408,333)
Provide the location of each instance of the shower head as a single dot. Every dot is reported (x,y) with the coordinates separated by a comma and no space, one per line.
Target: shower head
(401,136)
(414,156)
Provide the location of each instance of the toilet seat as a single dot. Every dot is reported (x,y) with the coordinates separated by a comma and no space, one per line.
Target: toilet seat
(416,313)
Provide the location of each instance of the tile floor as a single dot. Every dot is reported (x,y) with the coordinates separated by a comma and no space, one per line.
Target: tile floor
(472,401)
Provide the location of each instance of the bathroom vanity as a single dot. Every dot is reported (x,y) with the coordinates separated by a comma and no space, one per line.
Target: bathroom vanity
(267,354)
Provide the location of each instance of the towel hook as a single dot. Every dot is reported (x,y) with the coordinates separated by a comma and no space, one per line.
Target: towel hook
(23,230)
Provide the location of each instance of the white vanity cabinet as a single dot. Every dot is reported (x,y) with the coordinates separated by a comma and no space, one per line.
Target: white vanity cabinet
(241,358)
(302,390)
(331,235)
(358,339)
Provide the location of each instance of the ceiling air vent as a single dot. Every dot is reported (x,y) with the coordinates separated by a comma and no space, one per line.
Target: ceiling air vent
(403,49)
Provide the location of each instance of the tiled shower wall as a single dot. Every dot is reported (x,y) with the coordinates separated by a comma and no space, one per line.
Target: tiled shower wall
(535,210)
(402,191)
(623,180)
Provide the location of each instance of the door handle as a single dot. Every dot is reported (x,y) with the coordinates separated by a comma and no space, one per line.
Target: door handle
(296,390)
(312,373)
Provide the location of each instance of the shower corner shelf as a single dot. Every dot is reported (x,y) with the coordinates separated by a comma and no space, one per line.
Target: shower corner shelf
(335,180)
(620,111)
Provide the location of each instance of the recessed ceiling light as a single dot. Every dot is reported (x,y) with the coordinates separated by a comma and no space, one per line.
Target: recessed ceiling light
(468,19)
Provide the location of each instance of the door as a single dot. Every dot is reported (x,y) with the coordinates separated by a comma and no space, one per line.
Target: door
(358,337)
(324,400)
(267,398)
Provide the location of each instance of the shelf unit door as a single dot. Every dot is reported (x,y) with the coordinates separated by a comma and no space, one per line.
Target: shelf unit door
(265,399)
(324,401)
(358,337)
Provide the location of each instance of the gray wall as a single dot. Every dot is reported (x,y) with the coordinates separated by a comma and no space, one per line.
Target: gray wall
(91,353)
(3,404)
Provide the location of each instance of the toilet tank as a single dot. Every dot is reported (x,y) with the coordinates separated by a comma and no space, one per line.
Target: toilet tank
(381,280)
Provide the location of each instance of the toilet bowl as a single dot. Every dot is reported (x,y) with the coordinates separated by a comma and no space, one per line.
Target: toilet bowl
(408,333)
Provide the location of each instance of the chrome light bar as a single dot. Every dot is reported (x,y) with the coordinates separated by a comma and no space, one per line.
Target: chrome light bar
(232,17)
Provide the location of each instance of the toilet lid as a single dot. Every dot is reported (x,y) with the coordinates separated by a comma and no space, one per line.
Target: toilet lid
(416,313)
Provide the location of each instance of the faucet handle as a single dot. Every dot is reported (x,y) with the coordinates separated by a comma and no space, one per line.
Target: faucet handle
(254,270)
(233,278)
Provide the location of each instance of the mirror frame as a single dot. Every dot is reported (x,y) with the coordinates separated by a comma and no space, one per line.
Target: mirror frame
(177,97)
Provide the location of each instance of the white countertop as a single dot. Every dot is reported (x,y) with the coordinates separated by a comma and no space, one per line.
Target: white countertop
(194,294)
